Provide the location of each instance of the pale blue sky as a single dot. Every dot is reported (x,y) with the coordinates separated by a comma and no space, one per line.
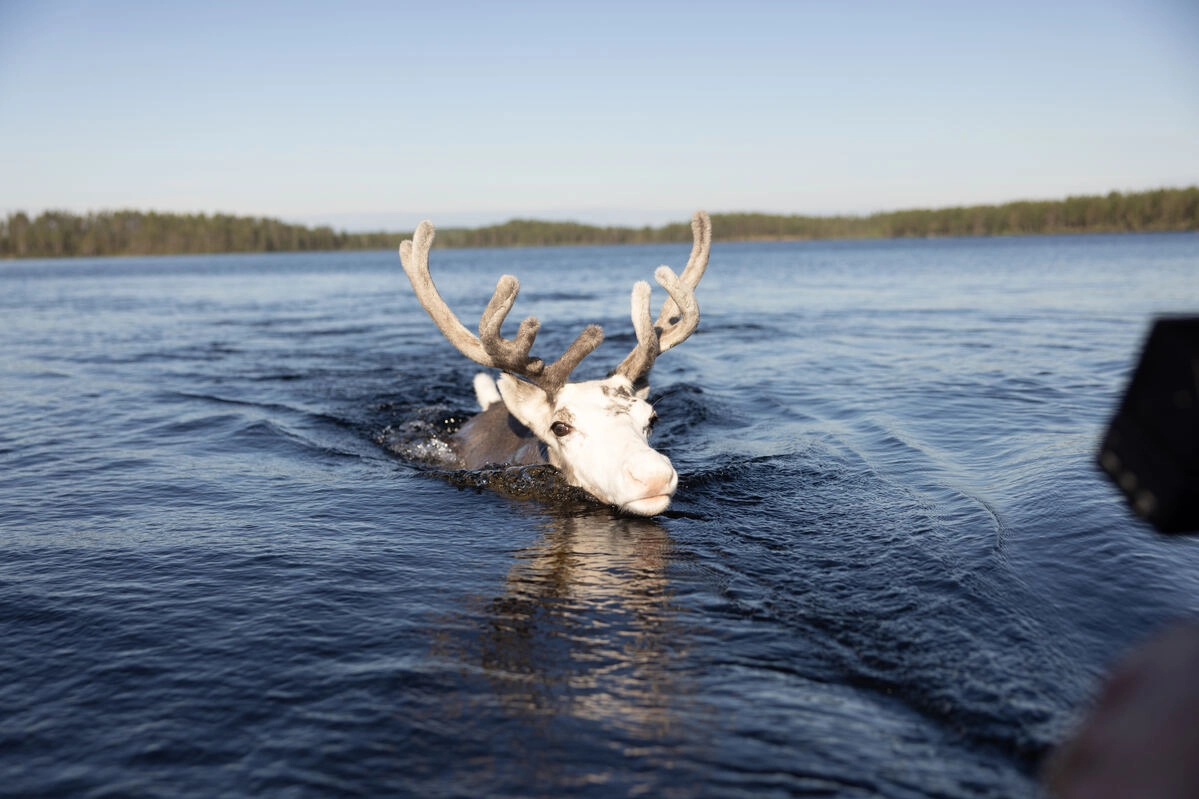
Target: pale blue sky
(375,115)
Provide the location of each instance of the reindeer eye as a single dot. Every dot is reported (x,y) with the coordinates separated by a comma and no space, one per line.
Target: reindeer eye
(561,429)
(653,420)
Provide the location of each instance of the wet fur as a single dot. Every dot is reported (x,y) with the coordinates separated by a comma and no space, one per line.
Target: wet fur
(492,431)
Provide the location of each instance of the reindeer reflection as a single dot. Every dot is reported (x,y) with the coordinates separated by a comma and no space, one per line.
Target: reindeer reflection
(586,628)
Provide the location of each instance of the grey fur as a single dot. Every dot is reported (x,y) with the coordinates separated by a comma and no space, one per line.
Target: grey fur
(620,399)
(495,438)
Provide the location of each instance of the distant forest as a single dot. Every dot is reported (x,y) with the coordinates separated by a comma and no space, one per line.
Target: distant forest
(60,234)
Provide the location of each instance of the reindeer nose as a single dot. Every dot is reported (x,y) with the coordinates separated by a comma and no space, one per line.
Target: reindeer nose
(653,472)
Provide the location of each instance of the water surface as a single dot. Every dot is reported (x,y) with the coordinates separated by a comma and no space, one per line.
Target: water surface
(891,568)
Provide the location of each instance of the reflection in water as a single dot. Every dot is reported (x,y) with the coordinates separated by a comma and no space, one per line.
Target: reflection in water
(584,630)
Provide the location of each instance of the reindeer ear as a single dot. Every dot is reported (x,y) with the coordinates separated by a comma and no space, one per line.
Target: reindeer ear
(527,402)
(642,391)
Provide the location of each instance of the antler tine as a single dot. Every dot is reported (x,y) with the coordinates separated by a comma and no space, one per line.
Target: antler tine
(512,356)
(637,363)
(697,263)
(490,348)
(682,296)
(550,378)
(680,311)
(556,374)
(414,255)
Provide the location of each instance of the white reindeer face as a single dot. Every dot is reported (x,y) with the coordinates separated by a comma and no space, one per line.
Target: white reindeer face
(596,432)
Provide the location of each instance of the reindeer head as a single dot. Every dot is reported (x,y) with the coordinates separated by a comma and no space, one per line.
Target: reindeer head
(595,432)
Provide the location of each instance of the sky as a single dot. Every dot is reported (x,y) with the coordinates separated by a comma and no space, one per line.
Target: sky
(374,115)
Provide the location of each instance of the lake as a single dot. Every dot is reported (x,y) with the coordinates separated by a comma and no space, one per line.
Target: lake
(891,567)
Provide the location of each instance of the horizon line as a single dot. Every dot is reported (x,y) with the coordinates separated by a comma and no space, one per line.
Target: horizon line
(666,218)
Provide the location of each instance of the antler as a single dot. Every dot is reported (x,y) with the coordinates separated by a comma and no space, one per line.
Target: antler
(680,311)
(489,348)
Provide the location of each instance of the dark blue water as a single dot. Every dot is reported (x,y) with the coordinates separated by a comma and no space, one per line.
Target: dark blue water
(890,569)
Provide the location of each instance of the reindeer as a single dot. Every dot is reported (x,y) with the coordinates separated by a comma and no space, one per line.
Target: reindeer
(595,432)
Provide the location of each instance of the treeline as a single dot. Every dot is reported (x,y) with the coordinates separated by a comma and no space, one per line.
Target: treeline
(534,233)
(1147,211)
(59,233)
